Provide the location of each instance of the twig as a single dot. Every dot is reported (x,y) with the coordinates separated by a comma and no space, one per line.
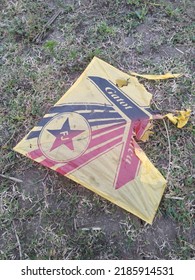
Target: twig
(11,178)
(9,140)
(190,245)
(174,197)
(179,50)
(18,241)
(40,36)
(35,204)
(91,228)
(69,254)
(75,224)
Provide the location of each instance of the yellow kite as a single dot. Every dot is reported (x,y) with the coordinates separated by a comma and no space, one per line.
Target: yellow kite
(90,136)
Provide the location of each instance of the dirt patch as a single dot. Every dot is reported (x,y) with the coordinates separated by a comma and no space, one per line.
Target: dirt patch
(157,241)
(109,223)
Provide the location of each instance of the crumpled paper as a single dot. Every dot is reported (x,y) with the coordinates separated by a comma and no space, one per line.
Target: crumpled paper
(180,118)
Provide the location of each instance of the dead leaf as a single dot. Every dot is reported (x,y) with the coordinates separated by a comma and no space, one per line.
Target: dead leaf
(180,119)
(121,83)
(146,135)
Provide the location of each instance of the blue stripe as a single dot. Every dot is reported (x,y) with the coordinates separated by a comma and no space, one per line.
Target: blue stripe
(72,108)
(152,112)
(33,134)
(43,121)
(106,112)
(100,115)
(117,97)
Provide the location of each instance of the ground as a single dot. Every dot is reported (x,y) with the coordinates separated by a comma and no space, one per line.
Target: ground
(48,216)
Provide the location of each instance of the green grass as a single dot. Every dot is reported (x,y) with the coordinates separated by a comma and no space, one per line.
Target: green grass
(46,216)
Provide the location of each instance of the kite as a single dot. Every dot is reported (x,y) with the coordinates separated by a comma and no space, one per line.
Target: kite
(90,136)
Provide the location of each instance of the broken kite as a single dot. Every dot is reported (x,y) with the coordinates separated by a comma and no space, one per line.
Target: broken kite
(90,135)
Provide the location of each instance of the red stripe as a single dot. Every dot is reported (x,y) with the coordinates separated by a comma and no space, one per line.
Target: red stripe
(106,129)
(84,159)
(105,137)
(35,154)
(129,164)
(48,162)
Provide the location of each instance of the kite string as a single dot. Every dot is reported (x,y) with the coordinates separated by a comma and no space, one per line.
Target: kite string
(169,148)
(169,143)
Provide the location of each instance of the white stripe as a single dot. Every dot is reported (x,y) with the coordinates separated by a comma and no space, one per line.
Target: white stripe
(105,119)
(96,111)
(49,115)
(105,132)
(39,159)
(36,128)
(58,165)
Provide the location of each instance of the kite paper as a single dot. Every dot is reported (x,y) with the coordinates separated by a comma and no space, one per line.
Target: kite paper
(90,136)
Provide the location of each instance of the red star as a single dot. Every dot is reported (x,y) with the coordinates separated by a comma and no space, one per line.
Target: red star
(64,136)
